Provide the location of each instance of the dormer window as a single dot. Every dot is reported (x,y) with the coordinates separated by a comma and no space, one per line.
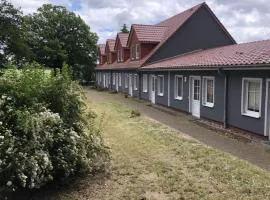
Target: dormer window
(109,58)
(122,55)
(137,51)
(119,56)
(101,60)
(133,53)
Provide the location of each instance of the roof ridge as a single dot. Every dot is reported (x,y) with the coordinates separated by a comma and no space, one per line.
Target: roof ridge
(148,25)
(189,9)
(198,6)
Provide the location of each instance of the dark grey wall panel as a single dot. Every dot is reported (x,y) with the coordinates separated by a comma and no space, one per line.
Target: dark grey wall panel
(145,95)
(200,32)
(162,100)
(235,118)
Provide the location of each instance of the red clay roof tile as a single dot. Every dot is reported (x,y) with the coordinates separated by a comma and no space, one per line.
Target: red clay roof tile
(253,53)
(149,33)
(111,43)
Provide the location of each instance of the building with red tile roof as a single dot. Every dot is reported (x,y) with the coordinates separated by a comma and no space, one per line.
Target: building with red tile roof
(191,63)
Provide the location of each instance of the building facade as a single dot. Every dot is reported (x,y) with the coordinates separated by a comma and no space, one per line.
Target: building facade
(191,63)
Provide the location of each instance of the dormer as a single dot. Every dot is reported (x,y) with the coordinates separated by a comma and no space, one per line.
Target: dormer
(121,48)
(102,58)
(143,39)
(110,52)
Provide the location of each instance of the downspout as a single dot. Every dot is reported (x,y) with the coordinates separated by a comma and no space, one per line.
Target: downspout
(225,118)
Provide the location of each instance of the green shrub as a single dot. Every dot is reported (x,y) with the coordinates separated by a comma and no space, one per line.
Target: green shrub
(47,132)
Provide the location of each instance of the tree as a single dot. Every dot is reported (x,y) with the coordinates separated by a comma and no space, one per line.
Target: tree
(12,44)
(58,36)
(124,29)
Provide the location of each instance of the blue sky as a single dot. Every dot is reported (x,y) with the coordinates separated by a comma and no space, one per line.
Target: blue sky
(246,20)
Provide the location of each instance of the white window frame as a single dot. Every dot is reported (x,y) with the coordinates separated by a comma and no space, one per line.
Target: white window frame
(120,80)
(244,99)
(176,85)
(137,54)
(145,82)
(135,79)
(126,80)
(158,85)
(114,78)
(204,91)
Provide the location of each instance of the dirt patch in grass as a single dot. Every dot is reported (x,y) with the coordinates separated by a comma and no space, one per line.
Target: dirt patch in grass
(153,161)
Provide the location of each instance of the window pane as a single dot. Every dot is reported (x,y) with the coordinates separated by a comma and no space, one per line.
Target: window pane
(196,89)
(179,91)
(145,82)
(210,91)
(254,96)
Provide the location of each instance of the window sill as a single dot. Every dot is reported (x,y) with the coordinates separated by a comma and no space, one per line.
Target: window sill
(160,94)
(145,91)
(251,114)
(210,105)
(135,88)
(179,98)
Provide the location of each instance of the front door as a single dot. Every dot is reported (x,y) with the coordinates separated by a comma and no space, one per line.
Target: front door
(116,82)
(130,89)
(195,83)
(152,93)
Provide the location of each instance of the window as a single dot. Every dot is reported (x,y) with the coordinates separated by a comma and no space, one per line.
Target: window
(137,51)
(144,82)
(126,80)
(135,82)
(110,58)
(251,97)
(208,91)
(100,58)
(122,55)
(113,78)
(119,80)
(160,85)
(178,87)
(133,53)
(118,56)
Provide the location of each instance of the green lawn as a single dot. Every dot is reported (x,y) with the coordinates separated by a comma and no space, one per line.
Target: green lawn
(152,161)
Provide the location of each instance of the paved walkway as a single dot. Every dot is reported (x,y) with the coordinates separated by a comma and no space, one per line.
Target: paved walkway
(253,152)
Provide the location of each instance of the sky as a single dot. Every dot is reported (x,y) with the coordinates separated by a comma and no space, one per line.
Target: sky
(246,20)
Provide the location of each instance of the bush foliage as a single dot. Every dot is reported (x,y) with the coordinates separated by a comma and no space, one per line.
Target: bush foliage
(47,132)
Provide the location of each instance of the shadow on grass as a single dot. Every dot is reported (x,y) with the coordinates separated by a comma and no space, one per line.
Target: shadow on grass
(75,184)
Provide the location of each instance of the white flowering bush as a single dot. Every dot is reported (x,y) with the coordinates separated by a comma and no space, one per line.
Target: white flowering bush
(46,131)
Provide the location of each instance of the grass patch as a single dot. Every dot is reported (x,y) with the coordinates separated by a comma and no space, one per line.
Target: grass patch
(153,161)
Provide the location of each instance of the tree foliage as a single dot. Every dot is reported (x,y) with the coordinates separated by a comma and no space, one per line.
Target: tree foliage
(124,29)
(58,36)
(12,44)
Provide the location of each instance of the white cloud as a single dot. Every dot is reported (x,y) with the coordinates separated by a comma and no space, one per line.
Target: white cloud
(246,20)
